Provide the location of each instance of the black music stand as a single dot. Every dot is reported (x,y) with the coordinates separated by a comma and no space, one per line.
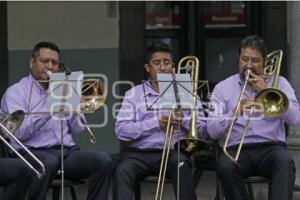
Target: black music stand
(183,83)
(175,97)
(62,98)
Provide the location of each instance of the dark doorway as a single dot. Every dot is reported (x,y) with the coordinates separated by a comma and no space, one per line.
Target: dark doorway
(3,47)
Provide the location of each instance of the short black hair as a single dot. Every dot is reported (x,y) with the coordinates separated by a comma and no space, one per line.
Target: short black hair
(40,45)
(254,42)
(157,46)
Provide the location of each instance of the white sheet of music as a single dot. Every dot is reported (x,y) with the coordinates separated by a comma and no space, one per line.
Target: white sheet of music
(167,92)
(65,92)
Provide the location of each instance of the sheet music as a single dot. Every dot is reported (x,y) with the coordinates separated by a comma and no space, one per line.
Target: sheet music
(65,92)
(167,99)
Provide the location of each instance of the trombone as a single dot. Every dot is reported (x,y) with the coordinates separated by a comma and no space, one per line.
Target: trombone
(274,101)
(8,126)
(93,97)
(190,144)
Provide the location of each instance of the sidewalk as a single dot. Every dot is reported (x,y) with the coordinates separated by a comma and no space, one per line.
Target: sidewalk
(205,190)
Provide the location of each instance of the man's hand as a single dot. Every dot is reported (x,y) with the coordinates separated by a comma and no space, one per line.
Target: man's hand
(176,117)
(257,83)
(163,122)
(245,106)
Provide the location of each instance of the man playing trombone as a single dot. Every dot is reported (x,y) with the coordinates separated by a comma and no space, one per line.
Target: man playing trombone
(144,131)
(41,133)
(239,109)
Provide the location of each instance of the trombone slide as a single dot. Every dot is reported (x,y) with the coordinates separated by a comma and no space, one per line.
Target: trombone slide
(39,174)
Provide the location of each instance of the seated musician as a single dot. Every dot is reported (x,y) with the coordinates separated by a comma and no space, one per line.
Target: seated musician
(144,131)
(264,152)
(41,133)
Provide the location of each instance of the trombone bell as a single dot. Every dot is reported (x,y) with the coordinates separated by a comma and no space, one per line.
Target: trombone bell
(274,102)
(192,145)
(93,96)
(12,122)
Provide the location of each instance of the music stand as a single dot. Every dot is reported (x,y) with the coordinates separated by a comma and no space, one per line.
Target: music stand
(63,97)
(184,86)
(176,92)
(171,96)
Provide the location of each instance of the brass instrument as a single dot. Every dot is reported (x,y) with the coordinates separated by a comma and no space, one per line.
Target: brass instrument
(8,125)
(93,97)
(274,101)
(164,159)
(191,144)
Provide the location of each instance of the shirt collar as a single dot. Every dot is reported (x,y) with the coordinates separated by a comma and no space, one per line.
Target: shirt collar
(35,84)
(149,91)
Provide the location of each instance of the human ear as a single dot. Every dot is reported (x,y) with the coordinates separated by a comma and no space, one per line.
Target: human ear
(30,63)
(146,66)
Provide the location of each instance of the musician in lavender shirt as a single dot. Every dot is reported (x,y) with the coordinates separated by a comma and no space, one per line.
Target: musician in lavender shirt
(264,152)
(144,131)
(41,133)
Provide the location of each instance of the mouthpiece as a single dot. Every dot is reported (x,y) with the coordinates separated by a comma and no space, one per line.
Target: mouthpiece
(49,73)
(247,74)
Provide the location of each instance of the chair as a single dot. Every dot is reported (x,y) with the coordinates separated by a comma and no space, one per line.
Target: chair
(207,161)
(254,180)
(148,179)
(68,183)
(197,173)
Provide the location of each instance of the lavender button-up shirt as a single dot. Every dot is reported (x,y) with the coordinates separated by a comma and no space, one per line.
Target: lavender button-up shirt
(261,129)
(37,130)
(141,127)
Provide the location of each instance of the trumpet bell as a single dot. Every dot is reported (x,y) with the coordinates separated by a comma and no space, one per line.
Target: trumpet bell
(12,121)
(192,145)
(273,101)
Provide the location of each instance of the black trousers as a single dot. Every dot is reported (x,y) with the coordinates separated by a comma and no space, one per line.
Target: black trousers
(269,160)
(136,165)
(15,177)
(78,164)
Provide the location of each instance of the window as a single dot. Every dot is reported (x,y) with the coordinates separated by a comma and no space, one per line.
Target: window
(162,15)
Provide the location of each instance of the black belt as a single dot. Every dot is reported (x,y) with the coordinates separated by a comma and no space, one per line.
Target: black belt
(250,146)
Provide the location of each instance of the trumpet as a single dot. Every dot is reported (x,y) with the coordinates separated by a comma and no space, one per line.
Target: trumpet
(8,126)
(274,101)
